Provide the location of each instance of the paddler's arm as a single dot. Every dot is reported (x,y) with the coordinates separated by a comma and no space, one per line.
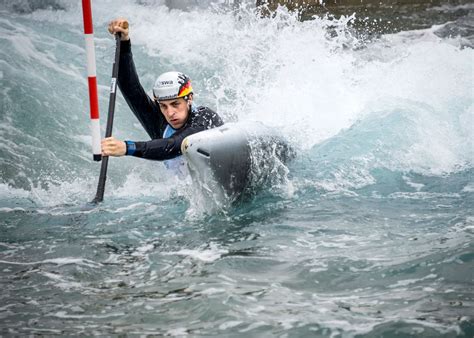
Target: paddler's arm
(164,149)
(158,150)
(142,106)
(161,149)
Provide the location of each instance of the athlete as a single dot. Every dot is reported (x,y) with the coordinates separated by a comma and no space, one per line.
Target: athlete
(168,117)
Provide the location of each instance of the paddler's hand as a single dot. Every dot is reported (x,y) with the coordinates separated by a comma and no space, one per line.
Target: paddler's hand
(119,25)
(113,147)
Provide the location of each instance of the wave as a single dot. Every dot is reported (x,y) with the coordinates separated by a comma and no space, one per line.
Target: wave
(402,102)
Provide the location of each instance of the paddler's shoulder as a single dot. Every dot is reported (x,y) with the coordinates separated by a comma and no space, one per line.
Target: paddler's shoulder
(203,113)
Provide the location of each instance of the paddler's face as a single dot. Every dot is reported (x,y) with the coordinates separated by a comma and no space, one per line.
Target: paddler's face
(176,111)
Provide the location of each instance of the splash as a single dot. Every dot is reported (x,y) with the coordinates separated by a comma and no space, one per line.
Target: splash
(315,81)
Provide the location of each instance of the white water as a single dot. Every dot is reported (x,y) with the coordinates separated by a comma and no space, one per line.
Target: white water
(413,90)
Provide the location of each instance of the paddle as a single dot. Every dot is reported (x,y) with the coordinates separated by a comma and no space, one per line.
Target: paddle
(99,197)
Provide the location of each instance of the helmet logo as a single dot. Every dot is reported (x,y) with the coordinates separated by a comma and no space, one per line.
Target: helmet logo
(182,79)
(185,89)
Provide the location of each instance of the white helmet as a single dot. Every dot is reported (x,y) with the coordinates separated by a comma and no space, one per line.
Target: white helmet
(172,85)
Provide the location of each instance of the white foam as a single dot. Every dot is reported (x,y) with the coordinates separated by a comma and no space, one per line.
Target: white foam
(288,74)
(64,314)
(229,324)
(205,255)
(452,8)
(58,261)
(16,209)
(416,186)
(7,191)
(278,70)
(469,187)
(407,282)
(25,45)
(423,195)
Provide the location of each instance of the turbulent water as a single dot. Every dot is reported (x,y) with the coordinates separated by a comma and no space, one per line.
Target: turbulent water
(368,233)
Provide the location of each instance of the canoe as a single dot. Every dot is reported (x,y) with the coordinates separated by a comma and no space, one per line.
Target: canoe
(236,159)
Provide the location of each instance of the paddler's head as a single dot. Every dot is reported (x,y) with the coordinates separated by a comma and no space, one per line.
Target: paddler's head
(174,94)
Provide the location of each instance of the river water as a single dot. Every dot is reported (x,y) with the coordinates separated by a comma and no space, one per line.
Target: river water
(368,233)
